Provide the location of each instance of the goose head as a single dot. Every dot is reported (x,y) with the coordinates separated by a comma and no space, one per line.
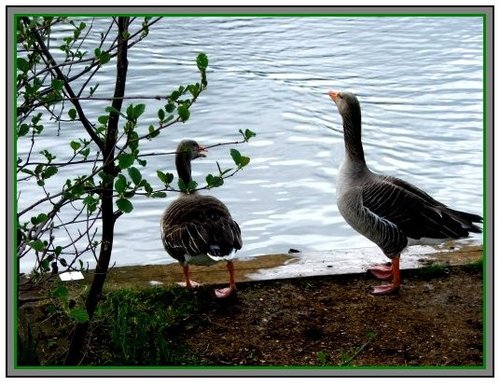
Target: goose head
(190,150)
(187,150)
(350,110)
(346,102)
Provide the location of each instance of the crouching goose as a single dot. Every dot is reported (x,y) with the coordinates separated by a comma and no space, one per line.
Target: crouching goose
(387,210)
(198,229)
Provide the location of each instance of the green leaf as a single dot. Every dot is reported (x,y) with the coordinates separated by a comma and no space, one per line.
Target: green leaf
(135,175)
(166,120)
(58,250)
(170,107)
(186,188)
(142,162)
(214,181)
(38,168)
(23,130)
(175,95)
(45,265)
(161,114)
(91,203)
(75,145)
(159,194)
(139,110)
(133,142)
(236,155)
(49,172)
(147,186)
(125,160)
(72,113)
(36,245)
(60,292)
(104,58)
(124,205)
(22,64)
(79,314)
(85,152)
(111,109)
(192,185)
(247,134)
(120,184)
(48,155)
(40,218)
(57,84)
(183,111)
(193,89)
(244,161)
(181,184)
(238,159)
(130,112)
(202,61)
(103,119)
(104,176)
(166,178)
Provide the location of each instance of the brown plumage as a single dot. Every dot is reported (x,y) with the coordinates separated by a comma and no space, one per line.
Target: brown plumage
(198,229)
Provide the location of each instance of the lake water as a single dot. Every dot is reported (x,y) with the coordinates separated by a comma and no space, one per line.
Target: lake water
(419,81)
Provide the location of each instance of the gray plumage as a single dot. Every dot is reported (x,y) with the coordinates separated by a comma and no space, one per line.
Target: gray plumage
(387,210)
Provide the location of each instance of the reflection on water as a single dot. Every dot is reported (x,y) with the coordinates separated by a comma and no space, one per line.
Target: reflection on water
(419,81)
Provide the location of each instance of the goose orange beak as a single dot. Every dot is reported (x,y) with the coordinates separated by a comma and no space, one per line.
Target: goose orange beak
(202,151)
(333,95)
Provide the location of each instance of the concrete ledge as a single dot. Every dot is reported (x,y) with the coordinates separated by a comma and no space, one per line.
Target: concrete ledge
(293,265)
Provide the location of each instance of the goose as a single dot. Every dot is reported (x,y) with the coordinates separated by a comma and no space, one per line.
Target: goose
(390,212)
(198,229)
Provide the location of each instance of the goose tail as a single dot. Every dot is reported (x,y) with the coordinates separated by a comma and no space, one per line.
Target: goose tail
(468,220)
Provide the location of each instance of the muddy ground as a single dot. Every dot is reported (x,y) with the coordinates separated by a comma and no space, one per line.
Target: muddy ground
(435,320)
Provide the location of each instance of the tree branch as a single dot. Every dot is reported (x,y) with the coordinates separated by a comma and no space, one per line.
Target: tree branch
(108,218)
(58,74)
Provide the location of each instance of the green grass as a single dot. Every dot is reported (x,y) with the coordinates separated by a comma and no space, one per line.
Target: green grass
(475,267)
(434,270)
(130,328)
(347,357)
(144,327)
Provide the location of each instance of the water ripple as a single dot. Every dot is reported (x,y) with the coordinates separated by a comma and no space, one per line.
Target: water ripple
(419,80)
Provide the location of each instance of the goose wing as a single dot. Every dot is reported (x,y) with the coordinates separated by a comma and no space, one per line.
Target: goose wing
(200,226)
(412,210)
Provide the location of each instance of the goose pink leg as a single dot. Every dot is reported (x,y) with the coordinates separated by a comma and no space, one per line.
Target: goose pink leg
(396,279)
(382,271)
(189,284)
(227,291)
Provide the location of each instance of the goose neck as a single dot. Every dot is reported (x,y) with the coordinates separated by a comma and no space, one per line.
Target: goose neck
(183,165)
(352,138)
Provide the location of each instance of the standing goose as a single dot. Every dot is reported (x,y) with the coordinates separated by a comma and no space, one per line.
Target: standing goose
(387,210)
(198,229)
